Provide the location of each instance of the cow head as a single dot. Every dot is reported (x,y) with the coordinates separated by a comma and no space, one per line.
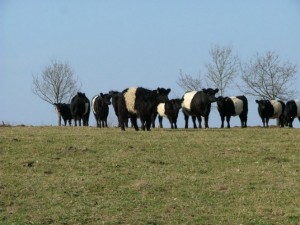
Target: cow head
(61,108)
(115,96)
(263,104)
(211,93)
(58,107)
(105,98)
(162,94)
(221,101)
(177,103)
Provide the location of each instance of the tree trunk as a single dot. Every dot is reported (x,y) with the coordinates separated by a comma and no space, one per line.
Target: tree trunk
(59,120)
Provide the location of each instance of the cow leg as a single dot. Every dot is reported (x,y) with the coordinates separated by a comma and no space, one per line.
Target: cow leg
(228,121)
(143,121)
(281,121)
(263,121)
(153,118)
(134,122)
(243,119)
(186,119)
(121,123)
(171,122)
(160,119)
(206,121)
(222,121)
(267,122)
(148,123)
(194,122)
(291,122)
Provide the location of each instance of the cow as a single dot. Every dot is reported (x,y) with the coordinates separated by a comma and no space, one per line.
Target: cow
(292,110)
(169,109)
(233,106)
(140,102)
(64,111)
(80,109)
(271,109)
(100,108)
(115,95)
(197,104)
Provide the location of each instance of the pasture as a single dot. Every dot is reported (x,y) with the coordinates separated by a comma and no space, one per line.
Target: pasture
(85,175)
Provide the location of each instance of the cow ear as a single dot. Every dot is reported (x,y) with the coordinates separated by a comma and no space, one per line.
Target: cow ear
(204,90)
(101,94)
(216,90)
(257,101)
(158,90)
(168,91)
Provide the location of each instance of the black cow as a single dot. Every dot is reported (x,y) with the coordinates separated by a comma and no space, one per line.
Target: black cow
(64,111)
(100,108)
(115,95)
(271,109)
(233,106)
(292,110)
(142,103)
(197,104)
(80,109)
(169,109)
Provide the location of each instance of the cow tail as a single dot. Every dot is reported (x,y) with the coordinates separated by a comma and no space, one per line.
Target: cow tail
(86,108)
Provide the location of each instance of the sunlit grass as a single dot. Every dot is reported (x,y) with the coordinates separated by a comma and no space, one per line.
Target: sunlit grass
(67,175)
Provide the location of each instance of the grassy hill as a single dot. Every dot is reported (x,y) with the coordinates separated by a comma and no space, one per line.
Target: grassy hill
(84,175)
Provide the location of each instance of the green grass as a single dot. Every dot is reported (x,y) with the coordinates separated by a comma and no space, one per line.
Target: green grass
(63,175)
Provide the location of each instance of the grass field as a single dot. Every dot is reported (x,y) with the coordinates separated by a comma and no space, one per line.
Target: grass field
(63,175)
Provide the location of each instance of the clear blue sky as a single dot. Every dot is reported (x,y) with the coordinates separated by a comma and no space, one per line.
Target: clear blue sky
(115,44)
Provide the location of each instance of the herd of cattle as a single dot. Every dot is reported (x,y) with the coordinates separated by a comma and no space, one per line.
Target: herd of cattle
(133,103)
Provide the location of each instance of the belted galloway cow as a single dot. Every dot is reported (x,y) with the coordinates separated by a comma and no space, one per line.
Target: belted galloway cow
(233,106)
(100,108)
(138,102)
(64,111)
(169,109)
(271,109)
(80,109)
(198,104)
(291,111)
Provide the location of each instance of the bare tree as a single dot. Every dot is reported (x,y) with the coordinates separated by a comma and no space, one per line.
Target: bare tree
(265,76)
(223,68)
(56,84)
(189,83)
